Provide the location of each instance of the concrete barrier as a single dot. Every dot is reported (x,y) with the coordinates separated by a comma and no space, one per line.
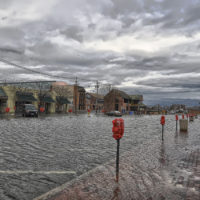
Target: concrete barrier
(183,123)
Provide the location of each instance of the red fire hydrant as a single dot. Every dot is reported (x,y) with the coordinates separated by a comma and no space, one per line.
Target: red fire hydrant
(42,109)
(70,110)
(7,110)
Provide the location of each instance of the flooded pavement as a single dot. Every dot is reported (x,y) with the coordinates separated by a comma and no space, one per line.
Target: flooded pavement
(37,155)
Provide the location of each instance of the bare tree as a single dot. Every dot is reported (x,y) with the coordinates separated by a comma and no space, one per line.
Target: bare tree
(64,93)
(105,89)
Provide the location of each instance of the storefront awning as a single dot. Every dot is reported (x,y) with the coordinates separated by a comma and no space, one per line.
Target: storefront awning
(47,99)
(3,94)
(27,97)
(62,100)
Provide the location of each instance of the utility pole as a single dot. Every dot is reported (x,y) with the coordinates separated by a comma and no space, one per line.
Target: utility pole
(97,87)
(109,87)
(75,94)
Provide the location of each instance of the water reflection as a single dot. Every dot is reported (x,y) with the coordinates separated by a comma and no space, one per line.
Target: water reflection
(183,135)
(116,193)
(163,157)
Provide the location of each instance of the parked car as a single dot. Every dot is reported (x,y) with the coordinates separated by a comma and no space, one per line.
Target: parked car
(29,110)
(114,113)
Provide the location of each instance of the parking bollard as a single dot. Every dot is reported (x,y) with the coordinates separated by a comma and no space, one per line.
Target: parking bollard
(118,132)
(162,122)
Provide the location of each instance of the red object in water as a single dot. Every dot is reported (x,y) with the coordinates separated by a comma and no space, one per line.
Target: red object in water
(89,110)
(70,110)
(183,116)
(42,109)
(176,117)
(162,120)
(7,109)
(118,128)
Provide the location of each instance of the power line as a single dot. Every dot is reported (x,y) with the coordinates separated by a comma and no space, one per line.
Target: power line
(10,83)
(33,71)
(44,73)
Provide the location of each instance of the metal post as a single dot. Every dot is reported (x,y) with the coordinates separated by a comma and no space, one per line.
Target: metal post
(162,132)
(117,161)
(97,86)
(76,91)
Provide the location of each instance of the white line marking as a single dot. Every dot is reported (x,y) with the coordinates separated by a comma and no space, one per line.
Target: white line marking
(36,172)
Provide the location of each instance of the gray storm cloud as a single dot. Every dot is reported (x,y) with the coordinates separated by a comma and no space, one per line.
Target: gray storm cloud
(148,47)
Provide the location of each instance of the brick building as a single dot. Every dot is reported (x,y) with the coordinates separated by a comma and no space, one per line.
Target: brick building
(76,96)
(79,98)
(94,101)
(117,100)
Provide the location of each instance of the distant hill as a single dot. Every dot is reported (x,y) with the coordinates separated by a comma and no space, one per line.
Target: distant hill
(168,102)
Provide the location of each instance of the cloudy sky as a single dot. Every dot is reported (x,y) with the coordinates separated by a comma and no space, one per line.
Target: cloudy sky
(142,46)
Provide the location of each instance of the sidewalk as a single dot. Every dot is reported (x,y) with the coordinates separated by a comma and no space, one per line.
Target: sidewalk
(152,177)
